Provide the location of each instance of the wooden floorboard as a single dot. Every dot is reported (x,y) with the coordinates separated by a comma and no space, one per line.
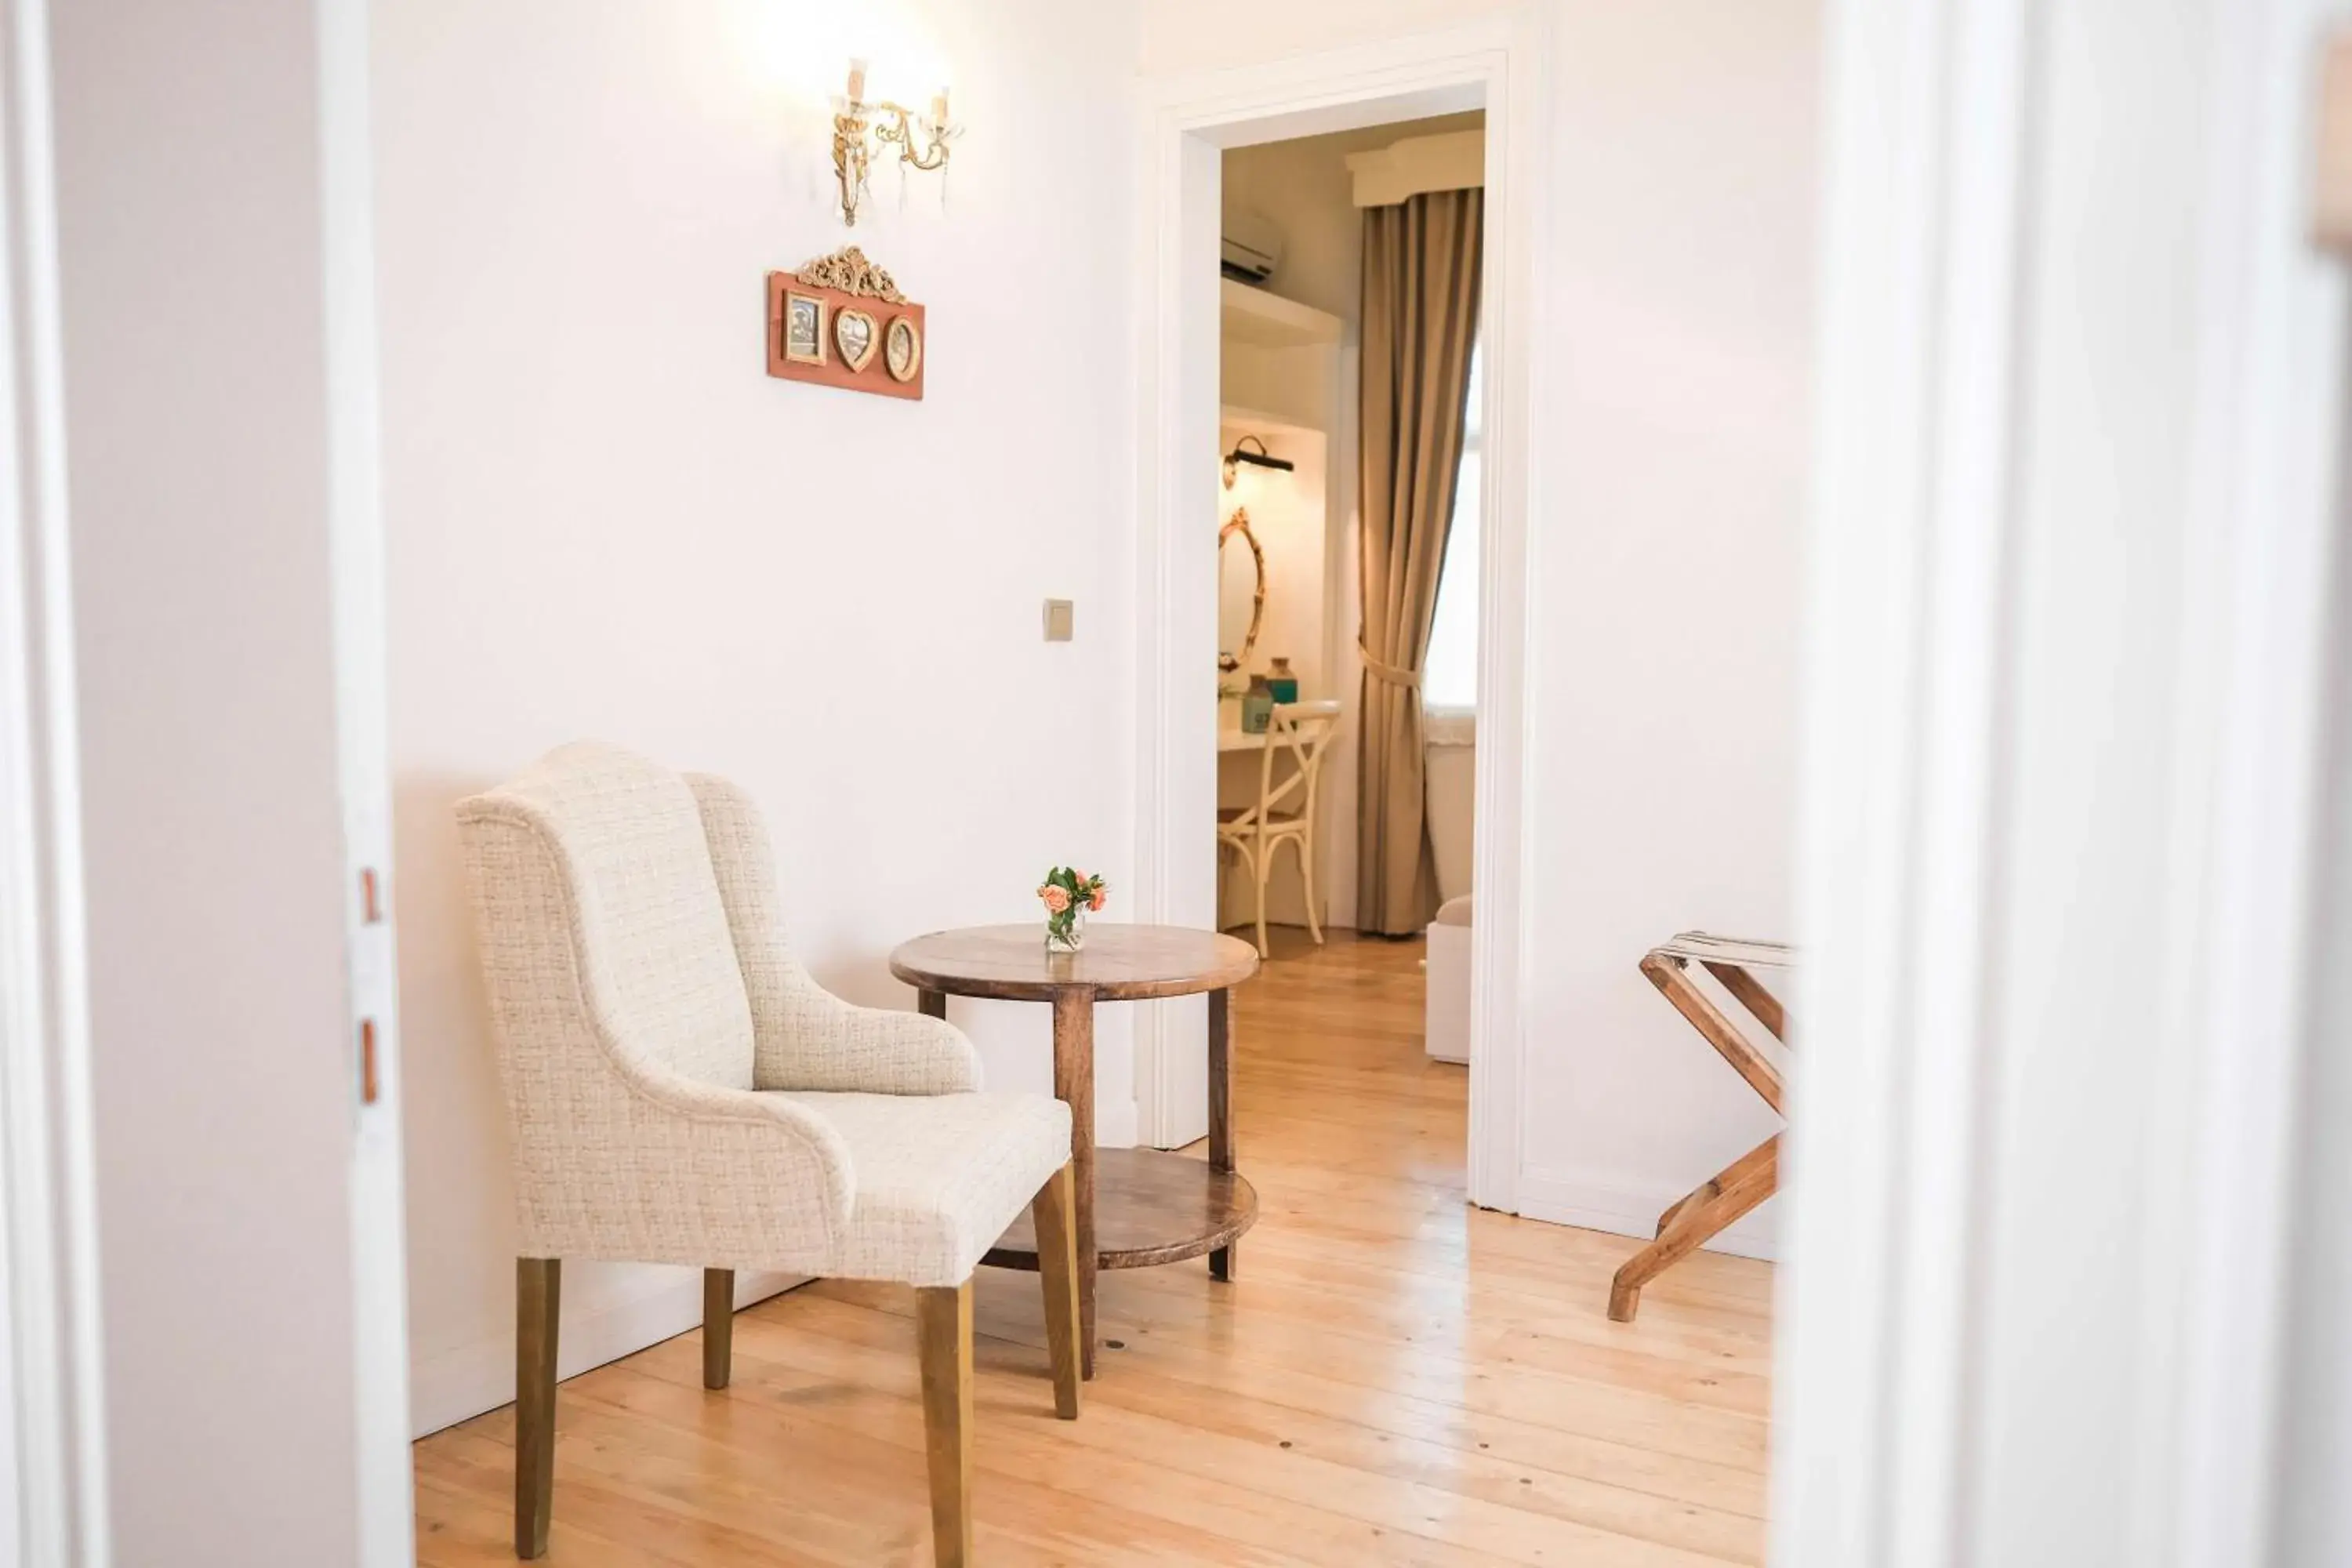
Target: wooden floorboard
(1395,1378)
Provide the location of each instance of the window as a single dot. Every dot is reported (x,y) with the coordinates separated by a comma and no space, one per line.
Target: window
(1449,676)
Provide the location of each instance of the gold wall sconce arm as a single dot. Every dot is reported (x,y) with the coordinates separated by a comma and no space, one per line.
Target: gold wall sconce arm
(862,130)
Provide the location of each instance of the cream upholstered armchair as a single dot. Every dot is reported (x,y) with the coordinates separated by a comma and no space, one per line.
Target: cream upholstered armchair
(681,1091)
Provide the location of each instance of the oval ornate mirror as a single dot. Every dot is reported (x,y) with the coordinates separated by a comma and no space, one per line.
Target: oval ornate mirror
(1241,592)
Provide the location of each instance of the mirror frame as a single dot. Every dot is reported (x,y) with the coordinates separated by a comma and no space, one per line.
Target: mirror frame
(1240,524)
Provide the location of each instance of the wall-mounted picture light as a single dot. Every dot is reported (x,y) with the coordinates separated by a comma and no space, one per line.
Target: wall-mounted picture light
(1261,457)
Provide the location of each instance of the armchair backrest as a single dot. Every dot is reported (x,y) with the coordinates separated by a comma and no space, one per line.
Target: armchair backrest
(600,915)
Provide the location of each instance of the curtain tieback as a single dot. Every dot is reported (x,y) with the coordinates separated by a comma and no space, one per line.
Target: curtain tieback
(1382,671)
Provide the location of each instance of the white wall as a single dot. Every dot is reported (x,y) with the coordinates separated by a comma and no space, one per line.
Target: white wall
(1199,35)
(198,471)
(604,520)
(1663,618)
(1671,387)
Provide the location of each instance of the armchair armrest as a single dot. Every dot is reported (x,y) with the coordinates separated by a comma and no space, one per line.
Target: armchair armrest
(638,1163)
(807,1037)
(749,1178)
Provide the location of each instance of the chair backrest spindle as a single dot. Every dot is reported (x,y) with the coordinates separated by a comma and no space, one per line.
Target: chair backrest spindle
(1303,731)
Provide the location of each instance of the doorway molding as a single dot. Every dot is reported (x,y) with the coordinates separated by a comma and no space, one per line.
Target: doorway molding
(53,1448)
(1186,122)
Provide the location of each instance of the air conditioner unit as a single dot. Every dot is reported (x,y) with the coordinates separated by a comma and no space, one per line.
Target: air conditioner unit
(1253,246)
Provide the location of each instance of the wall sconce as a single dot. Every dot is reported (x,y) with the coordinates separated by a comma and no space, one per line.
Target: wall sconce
(863,129)
(1261,457)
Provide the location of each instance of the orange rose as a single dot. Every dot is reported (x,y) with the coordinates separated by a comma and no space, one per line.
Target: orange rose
(1055,899)
(1096,901)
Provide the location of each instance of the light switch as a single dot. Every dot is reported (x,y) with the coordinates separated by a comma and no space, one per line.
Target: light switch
(1057,620)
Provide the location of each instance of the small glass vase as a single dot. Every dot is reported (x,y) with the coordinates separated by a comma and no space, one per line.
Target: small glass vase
(1067,933)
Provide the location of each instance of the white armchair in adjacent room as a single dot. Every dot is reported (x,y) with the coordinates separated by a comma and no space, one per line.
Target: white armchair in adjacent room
(681,1091)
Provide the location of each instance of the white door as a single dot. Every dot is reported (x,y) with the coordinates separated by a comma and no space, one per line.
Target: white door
(195,773)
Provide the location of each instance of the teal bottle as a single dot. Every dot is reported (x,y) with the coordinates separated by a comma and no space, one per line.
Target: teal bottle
(1284,681)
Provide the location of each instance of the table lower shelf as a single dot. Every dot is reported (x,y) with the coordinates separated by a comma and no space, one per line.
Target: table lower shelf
(1150,1207)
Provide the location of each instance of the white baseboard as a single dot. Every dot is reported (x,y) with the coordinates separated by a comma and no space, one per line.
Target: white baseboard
(462,1382)
(1588,1200)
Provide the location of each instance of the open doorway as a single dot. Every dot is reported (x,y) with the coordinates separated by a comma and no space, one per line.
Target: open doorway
(1269,367)
(1291,515)
(1349,446)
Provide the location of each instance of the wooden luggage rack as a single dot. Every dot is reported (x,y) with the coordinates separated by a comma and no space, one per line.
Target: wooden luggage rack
(1738,1187)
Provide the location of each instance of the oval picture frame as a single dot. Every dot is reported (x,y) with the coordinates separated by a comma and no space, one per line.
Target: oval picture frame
(902,348)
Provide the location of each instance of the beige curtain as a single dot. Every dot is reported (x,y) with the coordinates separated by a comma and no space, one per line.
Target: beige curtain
(1420,319)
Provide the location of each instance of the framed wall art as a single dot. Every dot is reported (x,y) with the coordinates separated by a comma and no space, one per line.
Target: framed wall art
(841,321)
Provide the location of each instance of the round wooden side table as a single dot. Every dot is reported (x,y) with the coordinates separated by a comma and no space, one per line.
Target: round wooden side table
(1136,1207)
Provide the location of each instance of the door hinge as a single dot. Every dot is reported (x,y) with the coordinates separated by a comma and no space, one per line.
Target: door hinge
(367,1062)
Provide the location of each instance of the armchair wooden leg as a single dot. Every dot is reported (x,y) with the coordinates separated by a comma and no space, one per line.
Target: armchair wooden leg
(538,1297)
(1057,1266)
(943,1325)
(717,1326)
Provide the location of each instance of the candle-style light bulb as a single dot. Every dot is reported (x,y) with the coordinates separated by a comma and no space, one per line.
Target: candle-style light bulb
(940,109)
(858,81)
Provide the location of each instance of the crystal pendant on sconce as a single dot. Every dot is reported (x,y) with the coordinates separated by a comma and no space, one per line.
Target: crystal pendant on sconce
(864,128)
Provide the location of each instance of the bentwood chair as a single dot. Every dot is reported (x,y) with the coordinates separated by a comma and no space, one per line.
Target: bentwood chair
(681,1091)
(1290,769)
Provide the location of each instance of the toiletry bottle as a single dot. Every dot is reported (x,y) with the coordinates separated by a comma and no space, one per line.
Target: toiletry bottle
(1257,706)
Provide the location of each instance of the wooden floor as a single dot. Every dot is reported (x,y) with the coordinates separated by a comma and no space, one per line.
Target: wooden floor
(1394,1378)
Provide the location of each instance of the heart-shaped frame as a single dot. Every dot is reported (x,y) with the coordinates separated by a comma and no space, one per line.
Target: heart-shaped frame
(857,335)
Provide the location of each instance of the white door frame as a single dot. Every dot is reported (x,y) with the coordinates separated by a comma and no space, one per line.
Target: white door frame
(1187,122)
(378,1198)
(53,1492)
(1929,142)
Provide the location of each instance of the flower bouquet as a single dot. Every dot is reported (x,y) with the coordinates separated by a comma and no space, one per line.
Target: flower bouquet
(1069,894)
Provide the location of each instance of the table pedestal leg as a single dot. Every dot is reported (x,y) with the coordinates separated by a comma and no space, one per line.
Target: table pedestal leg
(1074,1085)
(1220,1113)
(931,1004)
